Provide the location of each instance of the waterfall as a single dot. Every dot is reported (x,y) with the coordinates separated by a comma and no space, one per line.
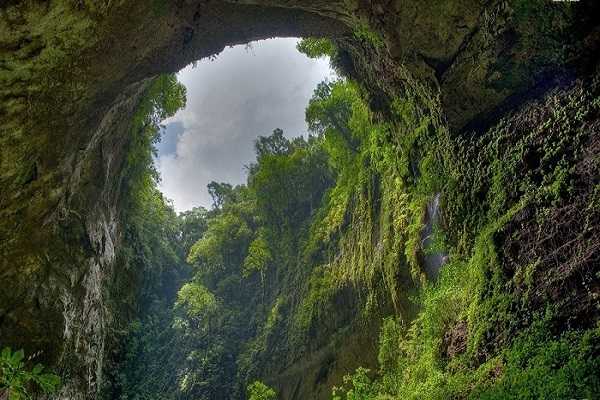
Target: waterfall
(432,260)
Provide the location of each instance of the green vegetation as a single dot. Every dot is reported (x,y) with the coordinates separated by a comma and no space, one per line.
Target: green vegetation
(491,326)
(156,240)
(18,382)
(356,387)
(260,391)
(326,237)
(260,253)
(326,244)
(363,32)
(316,47)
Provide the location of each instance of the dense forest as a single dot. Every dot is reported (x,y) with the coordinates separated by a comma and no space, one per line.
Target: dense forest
(338,231)
(383,254)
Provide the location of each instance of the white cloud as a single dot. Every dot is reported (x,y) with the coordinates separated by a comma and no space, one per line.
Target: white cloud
(231,100)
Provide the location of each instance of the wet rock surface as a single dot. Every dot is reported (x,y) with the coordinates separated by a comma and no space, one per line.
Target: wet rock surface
(433,258)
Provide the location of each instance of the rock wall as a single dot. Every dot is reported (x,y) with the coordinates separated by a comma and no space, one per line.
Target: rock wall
(71,73)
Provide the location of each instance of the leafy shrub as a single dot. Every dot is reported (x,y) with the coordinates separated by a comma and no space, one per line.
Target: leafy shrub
(260,391)
(19,382)
(197,300)
(362,31)
(316,47)
(356,387)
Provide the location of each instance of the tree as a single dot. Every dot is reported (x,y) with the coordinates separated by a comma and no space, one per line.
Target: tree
(275,144)
(197,301)
(193,223)
(330,110)
(221,193)
(222,248)
(258,259)
(316,47)
(260,391)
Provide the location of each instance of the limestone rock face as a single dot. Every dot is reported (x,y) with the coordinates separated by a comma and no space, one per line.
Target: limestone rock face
(71,74)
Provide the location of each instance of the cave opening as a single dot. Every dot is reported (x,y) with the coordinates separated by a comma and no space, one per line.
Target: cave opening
(69,123)
(244,166)
(244,92)
(125,295)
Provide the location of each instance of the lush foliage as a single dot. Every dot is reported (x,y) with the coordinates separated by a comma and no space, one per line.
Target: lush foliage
(316,47)
(155,245)
(492,326)
(18,382)
(331,234)
(260,391)
(358,386)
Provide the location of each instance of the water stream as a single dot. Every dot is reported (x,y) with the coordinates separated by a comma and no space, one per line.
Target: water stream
(432,260)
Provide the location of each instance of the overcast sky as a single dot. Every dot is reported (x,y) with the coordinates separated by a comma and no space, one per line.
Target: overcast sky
(244,93)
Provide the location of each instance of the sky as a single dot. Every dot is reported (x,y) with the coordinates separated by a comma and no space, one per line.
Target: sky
(245,92)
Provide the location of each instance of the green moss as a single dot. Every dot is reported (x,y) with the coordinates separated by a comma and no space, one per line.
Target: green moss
(543,41)
(360,244)
(539,365)
(362,31)
(321,289)
(478,333)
